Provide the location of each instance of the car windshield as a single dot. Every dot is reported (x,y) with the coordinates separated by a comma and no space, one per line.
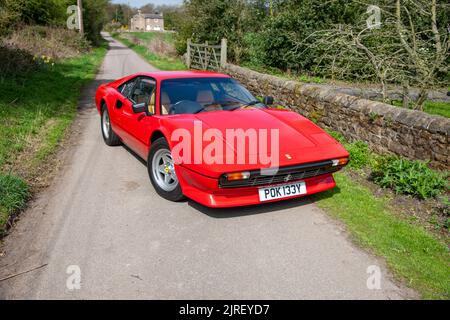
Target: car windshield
(195,95)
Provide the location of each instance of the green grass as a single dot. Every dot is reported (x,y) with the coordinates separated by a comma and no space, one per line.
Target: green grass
(37,108)
(147,36)
(438,108)
(35,111)
(160,62)
(14,195)
(411,252)
(432,107)
(360,154)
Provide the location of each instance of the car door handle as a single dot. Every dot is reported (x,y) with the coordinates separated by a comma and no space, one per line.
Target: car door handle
(119,104)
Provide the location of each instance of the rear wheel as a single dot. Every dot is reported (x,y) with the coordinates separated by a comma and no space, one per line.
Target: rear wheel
(161,170)
(110,138)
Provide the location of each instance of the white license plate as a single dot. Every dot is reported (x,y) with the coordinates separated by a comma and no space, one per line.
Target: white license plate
(282,191)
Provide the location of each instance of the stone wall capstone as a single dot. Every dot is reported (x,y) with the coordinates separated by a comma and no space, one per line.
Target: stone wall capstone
(385,128)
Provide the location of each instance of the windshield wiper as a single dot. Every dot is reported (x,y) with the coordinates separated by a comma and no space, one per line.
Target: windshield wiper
(243,105)
(201,110)
(249,104)
(216,103)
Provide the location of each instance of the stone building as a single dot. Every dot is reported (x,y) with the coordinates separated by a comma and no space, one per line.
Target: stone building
(147,22)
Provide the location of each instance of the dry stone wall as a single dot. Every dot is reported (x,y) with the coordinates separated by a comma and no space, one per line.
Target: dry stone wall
(386,129)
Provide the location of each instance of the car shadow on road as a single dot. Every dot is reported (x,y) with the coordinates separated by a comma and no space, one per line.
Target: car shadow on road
(88,92)
(263,208)
(134,154)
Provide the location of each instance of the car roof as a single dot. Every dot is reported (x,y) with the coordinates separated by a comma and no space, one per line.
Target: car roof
(164,75)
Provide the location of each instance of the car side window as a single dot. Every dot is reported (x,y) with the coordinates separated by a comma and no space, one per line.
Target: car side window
(127,88)
(144,92)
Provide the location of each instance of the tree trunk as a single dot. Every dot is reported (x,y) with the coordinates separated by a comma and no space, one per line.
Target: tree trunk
(423,96)
(405,94)
(384,90)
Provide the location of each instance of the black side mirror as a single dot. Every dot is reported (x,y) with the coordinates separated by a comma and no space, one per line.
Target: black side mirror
(268,100)
(140,107)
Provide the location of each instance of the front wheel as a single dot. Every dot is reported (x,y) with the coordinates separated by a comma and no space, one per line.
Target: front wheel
(161,170)
(110,138)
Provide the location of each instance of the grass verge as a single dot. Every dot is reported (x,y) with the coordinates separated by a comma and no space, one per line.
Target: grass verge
(35,111)
(158,61)
(411,252)
(14,195)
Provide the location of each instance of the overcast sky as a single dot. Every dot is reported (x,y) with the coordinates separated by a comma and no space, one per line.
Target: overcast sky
(140,3)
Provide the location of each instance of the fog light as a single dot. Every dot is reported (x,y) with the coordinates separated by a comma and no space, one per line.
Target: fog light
(237,176)
(340,162)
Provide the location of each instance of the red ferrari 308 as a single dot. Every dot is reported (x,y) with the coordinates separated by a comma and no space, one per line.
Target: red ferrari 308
(206,137)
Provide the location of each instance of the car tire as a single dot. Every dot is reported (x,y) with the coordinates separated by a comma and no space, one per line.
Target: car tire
(162,172)
(109,136)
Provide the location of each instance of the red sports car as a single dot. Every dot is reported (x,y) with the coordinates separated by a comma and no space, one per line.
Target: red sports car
(206,137)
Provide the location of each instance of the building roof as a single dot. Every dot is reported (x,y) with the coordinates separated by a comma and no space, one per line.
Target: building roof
(150,15)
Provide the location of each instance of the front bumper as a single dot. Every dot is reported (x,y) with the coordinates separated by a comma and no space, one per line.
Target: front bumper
(207,192)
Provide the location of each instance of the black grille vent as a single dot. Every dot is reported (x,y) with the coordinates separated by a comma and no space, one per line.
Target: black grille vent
(284,175)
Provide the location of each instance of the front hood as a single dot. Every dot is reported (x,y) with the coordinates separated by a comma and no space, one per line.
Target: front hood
(260,121)
(296,139)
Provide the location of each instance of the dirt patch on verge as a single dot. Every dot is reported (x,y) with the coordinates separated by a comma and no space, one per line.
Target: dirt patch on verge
(430,214)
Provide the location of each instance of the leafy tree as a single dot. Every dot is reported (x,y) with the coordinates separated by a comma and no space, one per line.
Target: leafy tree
(120,15)
(51,12)
(211,20)
(148,8)
(94,18)
(173,16)
(41,12)
(293,22)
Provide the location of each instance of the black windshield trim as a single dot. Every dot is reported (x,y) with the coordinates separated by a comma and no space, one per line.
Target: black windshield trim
(181,80)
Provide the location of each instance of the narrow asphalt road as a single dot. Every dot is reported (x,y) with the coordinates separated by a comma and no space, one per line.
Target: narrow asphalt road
(102,217)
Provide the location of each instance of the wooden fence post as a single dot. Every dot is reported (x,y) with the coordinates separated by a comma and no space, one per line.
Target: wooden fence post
(223,53)
(188,54)
(206,56)
(80,17)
